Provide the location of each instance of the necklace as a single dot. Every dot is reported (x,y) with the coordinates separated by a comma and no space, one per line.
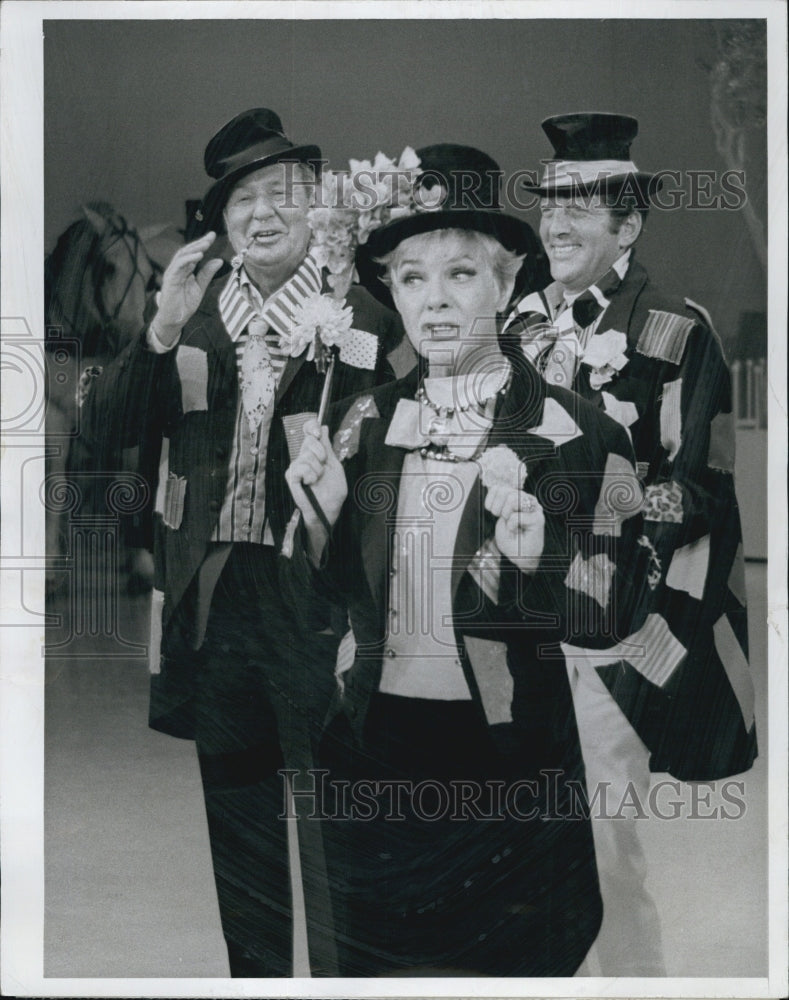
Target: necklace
(438,425)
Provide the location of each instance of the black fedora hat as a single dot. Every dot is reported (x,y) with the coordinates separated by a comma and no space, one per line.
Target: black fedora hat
(251,140)
(591,154)
(458,188)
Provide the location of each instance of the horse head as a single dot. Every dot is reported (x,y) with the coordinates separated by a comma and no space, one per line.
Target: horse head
(97,280)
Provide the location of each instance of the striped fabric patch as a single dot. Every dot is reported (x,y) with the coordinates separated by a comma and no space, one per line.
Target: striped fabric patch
(294,431)
(671,418)
(664,336)
(653,651)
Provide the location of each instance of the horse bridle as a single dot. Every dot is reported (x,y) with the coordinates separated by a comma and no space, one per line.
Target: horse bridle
(119,230)
(133,245)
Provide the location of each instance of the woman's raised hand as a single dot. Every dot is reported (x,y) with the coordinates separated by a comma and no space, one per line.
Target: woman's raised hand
(318,467)
(520,528)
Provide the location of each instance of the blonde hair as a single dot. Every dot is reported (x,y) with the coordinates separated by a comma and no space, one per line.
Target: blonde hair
(504,263)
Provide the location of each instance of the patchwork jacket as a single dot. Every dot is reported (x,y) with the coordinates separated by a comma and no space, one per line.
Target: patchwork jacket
(681,676)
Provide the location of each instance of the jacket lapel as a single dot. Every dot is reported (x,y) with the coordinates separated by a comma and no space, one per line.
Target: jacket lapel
(289,372)
(619,313)
(378,501)
(520,407)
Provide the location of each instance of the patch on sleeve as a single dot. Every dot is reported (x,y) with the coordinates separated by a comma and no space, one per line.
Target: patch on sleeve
(485,569)
(621,496)
(174,497)
(671,418)
(663,502)
(346,440)
(622,410)
(737,577)
(736,666)
(557,424)
(721,454)
(192,364)
(688,569)
(664,336)
(592,577)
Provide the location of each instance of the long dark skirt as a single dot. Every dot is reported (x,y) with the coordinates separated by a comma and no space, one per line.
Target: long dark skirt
(448,857)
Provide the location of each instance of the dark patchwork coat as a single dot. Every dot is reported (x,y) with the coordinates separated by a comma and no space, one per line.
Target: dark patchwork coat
(579,466)
(682,675)
(142,397)
(508,625)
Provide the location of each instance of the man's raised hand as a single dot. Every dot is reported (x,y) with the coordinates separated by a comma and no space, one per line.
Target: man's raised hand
(183,289)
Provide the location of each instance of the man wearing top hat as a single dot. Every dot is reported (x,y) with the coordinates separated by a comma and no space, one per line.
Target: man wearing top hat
(674,693)
(219,374)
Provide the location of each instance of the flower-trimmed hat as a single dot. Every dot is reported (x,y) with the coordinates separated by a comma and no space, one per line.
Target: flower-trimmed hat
(592,154)
(457,188)
(251,140)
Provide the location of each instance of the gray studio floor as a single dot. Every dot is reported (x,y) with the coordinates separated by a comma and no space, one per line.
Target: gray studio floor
(129,889)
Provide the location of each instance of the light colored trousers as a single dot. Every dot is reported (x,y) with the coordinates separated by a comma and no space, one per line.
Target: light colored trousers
(629,943)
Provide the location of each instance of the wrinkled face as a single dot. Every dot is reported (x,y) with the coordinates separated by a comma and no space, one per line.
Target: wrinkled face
(579,242)
(267,212)
(446,292)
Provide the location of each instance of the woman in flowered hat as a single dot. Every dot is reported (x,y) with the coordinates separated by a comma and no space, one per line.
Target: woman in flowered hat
(471,514)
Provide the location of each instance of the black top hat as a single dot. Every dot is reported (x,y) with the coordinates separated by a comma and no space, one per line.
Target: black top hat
(592,154)
(457,189)
(251,140)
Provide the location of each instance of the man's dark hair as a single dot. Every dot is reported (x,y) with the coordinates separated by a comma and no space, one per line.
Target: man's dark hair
(622,208)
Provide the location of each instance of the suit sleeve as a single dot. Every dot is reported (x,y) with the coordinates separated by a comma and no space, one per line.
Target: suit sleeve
(586,589)
(125,408)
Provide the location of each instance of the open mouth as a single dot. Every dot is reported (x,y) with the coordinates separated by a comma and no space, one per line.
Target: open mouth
(441,331)
(564,252)
(264,236)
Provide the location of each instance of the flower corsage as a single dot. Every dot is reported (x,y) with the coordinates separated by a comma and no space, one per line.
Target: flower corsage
(605,355)
(500,466)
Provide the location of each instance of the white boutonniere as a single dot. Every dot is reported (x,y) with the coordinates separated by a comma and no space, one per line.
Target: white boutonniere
(605,355)
(320,323)
(500,466)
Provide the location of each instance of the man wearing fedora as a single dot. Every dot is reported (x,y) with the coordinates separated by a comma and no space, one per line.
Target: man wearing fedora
(219,375)
(674,692)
